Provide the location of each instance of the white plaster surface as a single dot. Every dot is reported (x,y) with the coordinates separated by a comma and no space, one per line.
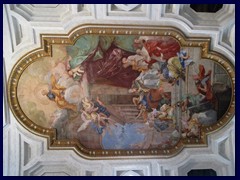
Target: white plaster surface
(26,154)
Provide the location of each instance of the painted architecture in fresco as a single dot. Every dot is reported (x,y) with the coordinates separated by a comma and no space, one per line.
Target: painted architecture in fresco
(125,92)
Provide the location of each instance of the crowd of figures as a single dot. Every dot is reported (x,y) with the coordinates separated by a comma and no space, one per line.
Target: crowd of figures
(143,65)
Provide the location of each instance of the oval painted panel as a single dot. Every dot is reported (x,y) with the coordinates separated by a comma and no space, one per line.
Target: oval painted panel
(123,95)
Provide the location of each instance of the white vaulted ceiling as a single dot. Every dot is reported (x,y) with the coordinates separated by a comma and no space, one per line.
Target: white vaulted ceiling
(27,154)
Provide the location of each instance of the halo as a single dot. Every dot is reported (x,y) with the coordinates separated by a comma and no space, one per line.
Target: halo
(38,93)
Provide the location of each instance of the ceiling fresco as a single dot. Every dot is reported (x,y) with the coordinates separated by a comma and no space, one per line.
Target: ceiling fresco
(123,91)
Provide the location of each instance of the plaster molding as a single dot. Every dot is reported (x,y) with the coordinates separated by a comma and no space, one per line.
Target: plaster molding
(221,150)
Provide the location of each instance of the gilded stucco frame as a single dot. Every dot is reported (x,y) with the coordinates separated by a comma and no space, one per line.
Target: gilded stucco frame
(47,40)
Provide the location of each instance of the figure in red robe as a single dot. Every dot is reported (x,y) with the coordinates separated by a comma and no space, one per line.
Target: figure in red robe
(203,83)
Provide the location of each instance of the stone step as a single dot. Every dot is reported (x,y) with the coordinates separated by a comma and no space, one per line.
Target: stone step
(126,108)
(128,111)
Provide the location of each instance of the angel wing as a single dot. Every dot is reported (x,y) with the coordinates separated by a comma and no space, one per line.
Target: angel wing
(204,80)
(83,126)
(189,62)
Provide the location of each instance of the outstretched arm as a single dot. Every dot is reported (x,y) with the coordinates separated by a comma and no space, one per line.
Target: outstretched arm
(140,113)
(83,116)
(83,126)
(100,102)
(55,85)
(204,88)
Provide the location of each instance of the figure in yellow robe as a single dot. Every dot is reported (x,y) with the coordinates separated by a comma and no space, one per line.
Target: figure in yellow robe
(57,94)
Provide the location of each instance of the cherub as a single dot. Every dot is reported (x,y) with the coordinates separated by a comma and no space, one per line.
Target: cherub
(141,91)
(166,112)
(89,114)
(136,61)
(77,72)
(92,113)
(193,128)
(143,112)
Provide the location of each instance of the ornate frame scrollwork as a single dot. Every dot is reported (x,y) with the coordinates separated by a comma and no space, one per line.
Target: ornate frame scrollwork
(47,40)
